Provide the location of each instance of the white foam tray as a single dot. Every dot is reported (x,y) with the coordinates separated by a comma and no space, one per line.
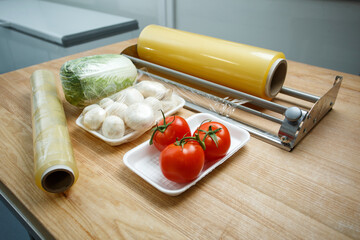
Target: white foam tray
(130,135)
(144,159)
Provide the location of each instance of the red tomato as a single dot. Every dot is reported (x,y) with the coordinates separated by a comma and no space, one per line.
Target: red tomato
(217,142)
(174,127)
(182,164)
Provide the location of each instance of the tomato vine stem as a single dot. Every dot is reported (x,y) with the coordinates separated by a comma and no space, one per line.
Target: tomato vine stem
(160,128)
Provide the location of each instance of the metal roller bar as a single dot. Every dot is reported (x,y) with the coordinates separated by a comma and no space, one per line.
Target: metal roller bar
(215,98)
(298,94)
(212,86)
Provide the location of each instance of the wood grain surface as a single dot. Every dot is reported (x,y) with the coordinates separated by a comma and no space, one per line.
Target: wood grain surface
(261,192)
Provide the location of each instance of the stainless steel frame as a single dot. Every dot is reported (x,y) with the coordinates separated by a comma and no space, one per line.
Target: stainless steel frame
(293,127)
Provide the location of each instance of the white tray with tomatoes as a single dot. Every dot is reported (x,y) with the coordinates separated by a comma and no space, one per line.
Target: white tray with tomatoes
(144,160)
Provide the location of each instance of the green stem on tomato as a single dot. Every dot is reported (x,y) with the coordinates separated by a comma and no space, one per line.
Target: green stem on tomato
(184,140)
(212,134)
(160,128)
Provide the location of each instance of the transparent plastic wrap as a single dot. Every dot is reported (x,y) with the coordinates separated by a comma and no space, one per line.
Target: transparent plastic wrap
(127,114)
(55,167)
(88,79)
(232,108)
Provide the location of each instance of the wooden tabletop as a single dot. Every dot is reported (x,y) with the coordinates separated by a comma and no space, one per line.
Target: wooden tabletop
(261,192)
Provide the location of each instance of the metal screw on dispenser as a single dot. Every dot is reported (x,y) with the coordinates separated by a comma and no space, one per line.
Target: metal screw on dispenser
(293,114)
(291,124)
(284,139)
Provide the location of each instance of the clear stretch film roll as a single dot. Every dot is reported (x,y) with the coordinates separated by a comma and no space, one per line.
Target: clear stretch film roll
(256,71)
(55,166)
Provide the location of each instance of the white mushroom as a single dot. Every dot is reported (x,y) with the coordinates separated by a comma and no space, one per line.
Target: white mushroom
(113,127)
(117,109)
(151,89)
(139,116)
(156,106)
(94,118)
(88,108)
(105,102)
(129,96)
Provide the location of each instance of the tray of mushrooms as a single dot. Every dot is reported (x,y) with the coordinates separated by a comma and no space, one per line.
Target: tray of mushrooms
(126,115)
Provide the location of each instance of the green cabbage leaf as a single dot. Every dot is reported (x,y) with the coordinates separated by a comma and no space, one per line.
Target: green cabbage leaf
(88,79)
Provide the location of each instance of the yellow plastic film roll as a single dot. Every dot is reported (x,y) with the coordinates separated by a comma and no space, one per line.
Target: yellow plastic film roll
(55,166)
(253,70)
